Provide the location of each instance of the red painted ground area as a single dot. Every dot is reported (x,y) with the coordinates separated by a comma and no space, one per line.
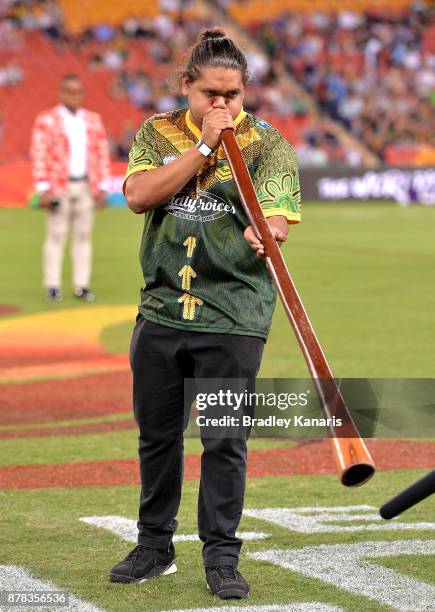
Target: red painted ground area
(7,309)
(74,398)
(69,430)
(312,459)
(76,392)
(10,357)
(67,368)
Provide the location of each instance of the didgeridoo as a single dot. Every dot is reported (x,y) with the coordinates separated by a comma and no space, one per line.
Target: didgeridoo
(354,463)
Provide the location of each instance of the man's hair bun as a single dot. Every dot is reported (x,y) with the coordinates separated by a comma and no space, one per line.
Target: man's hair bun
(210,34)
(214,48)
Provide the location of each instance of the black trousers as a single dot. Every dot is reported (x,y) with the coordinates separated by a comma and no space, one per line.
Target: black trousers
(161,357)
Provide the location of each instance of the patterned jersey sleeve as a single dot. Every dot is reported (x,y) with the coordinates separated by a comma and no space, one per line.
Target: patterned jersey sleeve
(144,154)
(276,180)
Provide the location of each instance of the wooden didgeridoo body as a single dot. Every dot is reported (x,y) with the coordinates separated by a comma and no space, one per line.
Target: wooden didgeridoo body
(354,463)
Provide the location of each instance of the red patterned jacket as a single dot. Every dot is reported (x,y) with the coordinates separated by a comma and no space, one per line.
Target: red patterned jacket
(50,151)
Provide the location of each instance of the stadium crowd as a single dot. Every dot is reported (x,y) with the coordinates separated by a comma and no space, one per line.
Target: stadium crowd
(29,15)
(163,40)
(373,72)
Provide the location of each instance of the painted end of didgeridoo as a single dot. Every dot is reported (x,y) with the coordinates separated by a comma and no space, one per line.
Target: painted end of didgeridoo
(355,465)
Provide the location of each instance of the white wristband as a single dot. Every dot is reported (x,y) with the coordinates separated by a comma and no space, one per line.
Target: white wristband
(204,149)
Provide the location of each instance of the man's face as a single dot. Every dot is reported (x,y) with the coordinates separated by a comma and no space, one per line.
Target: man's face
(71,94)
(216,87)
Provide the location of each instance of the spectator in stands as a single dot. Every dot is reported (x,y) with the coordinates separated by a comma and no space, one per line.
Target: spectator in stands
(49,19)
(120,148)
(139,90)
(70,157)
(165,101)
(2,123)
(10,75)
(10,38)
(310,154)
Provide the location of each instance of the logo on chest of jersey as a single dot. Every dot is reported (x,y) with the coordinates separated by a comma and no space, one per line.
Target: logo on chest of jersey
(204,207)
(223,172)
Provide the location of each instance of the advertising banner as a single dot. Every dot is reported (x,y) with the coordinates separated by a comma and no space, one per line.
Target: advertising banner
(402,185)
(16,184)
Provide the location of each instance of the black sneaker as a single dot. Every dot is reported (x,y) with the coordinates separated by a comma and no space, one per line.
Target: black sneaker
(53,294)
(226,582)
(143,563)
(82,293)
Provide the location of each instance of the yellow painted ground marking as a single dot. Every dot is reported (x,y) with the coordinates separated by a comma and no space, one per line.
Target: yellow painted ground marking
(63,328)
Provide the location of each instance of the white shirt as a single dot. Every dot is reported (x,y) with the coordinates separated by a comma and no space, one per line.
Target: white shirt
(75,128)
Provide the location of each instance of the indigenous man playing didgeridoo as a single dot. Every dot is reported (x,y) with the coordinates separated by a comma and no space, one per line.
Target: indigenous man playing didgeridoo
(207,301)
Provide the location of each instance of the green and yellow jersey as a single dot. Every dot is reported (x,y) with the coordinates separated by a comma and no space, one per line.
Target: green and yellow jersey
(200,274)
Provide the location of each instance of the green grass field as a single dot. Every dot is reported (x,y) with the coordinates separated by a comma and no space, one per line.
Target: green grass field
(42,531)
(366,276)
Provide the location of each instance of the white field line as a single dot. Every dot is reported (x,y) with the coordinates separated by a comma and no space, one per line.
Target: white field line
(15,578)
(346,567)
(297,607)
(324,518)
(354,574)
(126,529)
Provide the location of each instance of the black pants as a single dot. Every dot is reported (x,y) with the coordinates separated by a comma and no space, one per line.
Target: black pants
(161,357)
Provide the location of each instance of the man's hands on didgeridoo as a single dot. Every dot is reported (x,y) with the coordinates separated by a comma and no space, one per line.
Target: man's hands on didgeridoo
(279,228)
(214,121)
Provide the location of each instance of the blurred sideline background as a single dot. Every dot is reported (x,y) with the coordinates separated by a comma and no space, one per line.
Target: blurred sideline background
(351,84)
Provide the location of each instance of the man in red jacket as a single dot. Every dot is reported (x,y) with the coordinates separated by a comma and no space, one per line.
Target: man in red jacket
(70,159)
